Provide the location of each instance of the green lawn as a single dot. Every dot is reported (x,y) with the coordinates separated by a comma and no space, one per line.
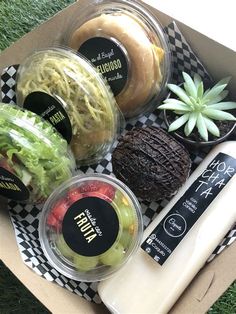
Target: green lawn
(18,17)
(15,298)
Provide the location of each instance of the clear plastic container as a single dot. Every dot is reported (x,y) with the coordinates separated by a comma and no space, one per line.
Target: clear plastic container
(34,158)
(66,89)
(128,46)
(90,226)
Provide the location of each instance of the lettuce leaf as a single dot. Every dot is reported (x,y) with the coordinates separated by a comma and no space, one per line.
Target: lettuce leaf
(37,146)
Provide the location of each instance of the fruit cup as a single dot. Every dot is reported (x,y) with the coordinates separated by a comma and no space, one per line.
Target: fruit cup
(90,226)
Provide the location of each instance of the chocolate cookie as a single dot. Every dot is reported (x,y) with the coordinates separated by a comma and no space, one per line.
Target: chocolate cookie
(151,162)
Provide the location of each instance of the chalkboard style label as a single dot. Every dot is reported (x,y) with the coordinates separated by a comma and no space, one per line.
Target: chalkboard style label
(12,187)
(90,226)
(188,209)
(51,109)
(110,59)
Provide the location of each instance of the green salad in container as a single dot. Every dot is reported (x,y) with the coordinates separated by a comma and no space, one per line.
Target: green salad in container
(34,158)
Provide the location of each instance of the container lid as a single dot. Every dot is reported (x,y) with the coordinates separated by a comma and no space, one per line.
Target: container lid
(34,158)
(66,89)
(128,46)
(90,227)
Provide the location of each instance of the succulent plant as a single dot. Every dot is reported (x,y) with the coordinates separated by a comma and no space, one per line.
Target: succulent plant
(197,108)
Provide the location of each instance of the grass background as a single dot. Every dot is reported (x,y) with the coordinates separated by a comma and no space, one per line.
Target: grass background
(18,17)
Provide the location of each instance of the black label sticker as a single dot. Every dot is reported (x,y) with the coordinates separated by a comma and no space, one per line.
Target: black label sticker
(110,59)
(12,187)
(188,209)
(90,226)
(51,109)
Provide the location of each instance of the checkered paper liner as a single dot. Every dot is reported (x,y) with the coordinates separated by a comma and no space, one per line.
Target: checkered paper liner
(25,218)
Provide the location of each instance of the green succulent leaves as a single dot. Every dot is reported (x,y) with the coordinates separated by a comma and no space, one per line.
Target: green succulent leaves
(197,108)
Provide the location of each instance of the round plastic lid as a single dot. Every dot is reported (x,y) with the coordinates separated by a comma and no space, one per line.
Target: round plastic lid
(128,46)
(65,89)
(34,158)
(90,227)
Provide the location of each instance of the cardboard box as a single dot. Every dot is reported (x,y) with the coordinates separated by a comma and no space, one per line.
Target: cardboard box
(213,279)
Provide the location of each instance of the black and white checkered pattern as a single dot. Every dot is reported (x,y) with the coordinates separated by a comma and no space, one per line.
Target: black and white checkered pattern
(8,80)
(183,58)
(228,239)
(25,218)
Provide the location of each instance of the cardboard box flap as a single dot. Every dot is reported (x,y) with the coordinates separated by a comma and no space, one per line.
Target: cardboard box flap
(205,285)
(214,279)
(217,26)
(210,283)
(217,58)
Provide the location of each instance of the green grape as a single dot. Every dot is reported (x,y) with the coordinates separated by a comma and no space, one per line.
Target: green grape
(119,198)
(85,263)
(124,210)
(125,239)
(113,256)
(63,248)
(126,216)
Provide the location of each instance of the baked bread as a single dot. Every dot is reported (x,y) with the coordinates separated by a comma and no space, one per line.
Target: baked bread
(144,57)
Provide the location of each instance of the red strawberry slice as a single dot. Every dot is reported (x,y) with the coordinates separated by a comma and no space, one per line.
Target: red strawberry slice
(91,186)
(98,189)
(74,195)
(57,214)
(59,209)
(52,221)
(93,194)
(107,191)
